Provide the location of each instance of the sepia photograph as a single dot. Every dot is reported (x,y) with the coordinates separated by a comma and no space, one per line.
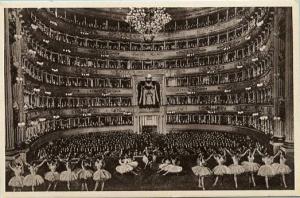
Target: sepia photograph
(149,98)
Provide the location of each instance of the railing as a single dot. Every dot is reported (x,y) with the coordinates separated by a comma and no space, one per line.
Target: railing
(219,39)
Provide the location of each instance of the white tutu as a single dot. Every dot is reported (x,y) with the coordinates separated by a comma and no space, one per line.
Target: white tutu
(16,181)
(124,168)
(250,166)
(68,176)
(85,174)
(281,168)
(221,170)
(52,176)
(163,166)
(236,169)
(145,159)
(201,171)
(134,164)
(101,175)
(266,170)
(173,168)
(33,180)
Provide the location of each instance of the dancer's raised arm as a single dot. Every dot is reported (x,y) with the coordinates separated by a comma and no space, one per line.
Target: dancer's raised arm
(39,165)
(226,150)
(11,167)
(208,158)
(260,153)
(252,154)
(279,152)
(242,155)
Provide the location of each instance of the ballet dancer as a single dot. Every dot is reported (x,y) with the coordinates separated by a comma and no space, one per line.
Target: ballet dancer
(220,170)
(33,179)
(201,170)
(132,162)
(68,175)
(267,170)
(84,174)
(145,158)
(235,168)
(281,168)
(164,163)
(173,167)
(52,176)
(16,182)
(124,167)
(251,167)
(100,175)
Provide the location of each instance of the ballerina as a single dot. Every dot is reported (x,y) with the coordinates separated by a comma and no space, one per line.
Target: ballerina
(173,167)
(84,174)
(100,175)
(267,170)
(33,179)
(235,168)
(220,170)
(164,163)
(68,175)
(281,168)
(16,182)
(132,162)
(251,167)
(52,176)
(201,170)
(124,167)
(145,158)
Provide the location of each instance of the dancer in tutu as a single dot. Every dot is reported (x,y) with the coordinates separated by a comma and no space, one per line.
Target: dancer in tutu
(132,162)
(281,168)
(235,168)
(84,174)
(16,182)
(100,175)
(164,163)
(251,167)
(201,170)
(173,167)
(124,167)
(33,179)
(267,170)
(52,176)
(145,159)
(68,175)
(220,170)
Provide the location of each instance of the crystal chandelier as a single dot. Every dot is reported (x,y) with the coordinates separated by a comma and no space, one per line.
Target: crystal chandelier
(148,21)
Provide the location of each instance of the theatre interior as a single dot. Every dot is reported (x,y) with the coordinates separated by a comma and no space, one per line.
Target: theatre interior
(189,98)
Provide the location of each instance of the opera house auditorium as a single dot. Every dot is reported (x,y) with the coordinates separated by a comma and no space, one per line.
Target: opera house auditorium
(135,99)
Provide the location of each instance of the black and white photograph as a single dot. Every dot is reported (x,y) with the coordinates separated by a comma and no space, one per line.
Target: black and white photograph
(149,98)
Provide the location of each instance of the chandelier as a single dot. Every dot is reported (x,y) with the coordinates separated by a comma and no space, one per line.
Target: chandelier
(148,21)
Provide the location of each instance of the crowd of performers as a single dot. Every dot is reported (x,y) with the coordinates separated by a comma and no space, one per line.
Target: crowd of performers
(82,158)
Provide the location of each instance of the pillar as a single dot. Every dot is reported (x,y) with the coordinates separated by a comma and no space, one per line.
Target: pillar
(278,136)
(288,94)
(9,125)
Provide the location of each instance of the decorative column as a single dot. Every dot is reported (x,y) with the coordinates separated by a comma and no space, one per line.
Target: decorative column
(278,136)
(136,117)
(9,125)
(18,87)
(288,94)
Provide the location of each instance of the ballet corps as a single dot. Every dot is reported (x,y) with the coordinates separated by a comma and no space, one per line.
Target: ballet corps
(99,175)
(169,165)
